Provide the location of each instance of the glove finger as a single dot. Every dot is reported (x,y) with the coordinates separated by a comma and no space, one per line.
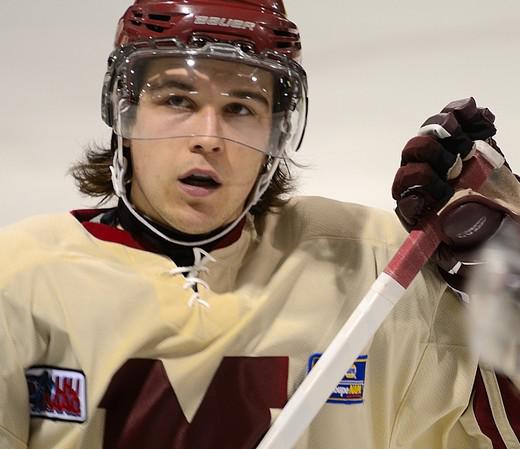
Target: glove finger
(417,203)
(483,129)
(477,123)
(419,190)
(446,127)
(417,175)
(410,209)
(428,149)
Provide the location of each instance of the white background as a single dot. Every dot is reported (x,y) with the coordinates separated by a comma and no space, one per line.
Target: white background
(376,71)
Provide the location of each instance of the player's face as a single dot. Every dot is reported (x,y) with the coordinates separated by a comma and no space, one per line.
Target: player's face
(199,181)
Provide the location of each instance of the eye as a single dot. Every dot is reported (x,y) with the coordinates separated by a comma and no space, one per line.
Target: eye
(238,109)
(172,101)
(178,102)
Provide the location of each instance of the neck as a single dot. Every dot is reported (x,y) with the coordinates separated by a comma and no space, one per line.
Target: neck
(180,254)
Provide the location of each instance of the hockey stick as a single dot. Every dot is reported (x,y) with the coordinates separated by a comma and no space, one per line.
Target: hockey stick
(375,306)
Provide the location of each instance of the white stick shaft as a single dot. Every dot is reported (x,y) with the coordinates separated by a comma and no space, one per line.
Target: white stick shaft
(333,364)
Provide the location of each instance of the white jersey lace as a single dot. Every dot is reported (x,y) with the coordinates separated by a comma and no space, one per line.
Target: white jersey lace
(193,281)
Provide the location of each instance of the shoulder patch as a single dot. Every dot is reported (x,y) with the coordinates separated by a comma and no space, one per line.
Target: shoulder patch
(57,394)
(351,388)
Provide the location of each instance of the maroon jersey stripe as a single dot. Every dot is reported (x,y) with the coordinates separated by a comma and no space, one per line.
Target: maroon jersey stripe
(484,415)
(110,234)
(103,231)
(511,400)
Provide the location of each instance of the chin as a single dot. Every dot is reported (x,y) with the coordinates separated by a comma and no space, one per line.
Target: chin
(198,220)
(199,224)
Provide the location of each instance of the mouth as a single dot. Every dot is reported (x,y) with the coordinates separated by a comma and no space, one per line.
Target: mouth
(199,183)
(198,180)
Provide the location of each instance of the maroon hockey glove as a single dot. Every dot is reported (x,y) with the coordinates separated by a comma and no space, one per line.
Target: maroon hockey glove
(428,164)
(423,184)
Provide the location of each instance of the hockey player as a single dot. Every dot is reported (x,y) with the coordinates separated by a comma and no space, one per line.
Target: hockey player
(187,315)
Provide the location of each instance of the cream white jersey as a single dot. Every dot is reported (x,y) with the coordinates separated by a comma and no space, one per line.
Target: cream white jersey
(105,346)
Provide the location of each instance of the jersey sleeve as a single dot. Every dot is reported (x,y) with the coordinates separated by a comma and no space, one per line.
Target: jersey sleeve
(14,402)
(22,341)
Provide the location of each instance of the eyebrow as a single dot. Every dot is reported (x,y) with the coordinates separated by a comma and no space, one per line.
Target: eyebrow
(170,82)
(247,94)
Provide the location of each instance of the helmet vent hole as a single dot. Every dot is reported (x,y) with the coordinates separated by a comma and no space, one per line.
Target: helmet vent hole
(246,47)
(156,28)
(136,22)
(161,17)
(137,14)
(283,33)
(284,44)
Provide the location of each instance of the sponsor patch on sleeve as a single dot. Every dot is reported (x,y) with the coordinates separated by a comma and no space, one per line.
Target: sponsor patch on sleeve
(58,394)
(351,388)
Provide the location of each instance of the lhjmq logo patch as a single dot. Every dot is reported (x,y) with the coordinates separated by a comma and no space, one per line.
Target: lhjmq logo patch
(351,388)
(57,394)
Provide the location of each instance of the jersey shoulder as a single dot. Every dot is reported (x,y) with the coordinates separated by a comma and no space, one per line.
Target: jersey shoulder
(309,217)
(37,239)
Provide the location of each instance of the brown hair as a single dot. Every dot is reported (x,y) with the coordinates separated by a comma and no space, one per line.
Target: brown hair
(93,178)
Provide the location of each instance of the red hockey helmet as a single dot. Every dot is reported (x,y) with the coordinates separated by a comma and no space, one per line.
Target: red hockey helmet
(258,24)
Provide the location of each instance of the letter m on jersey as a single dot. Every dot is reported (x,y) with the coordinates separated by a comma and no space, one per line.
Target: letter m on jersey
(142,409)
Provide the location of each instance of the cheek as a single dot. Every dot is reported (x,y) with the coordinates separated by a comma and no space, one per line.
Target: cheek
(141,166)
(251,167)
(150,165)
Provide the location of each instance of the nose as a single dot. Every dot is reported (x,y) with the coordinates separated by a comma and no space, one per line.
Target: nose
(208,136)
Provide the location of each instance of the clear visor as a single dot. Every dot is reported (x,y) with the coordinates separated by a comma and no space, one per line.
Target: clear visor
(240,99)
